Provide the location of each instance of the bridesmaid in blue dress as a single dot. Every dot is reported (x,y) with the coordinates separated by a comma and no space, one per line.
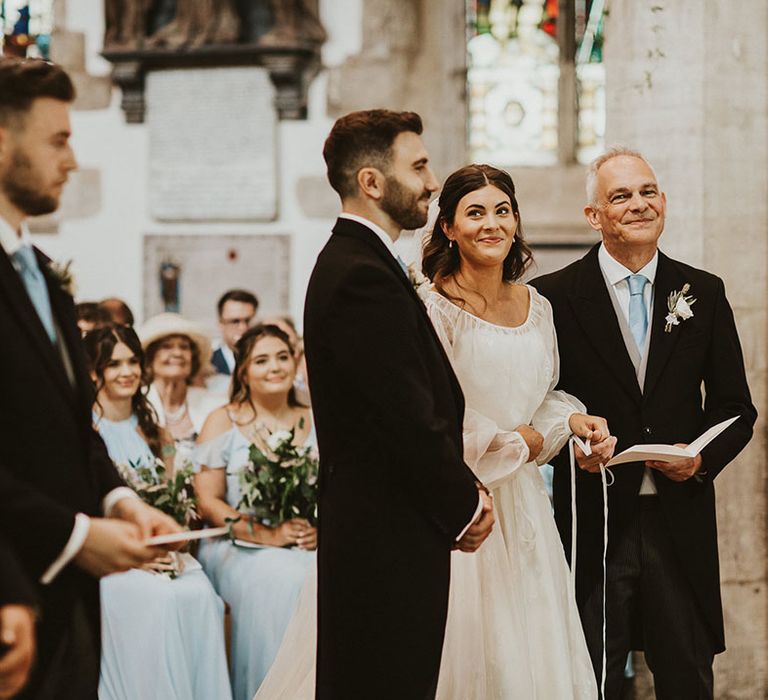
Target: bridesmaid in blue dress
(162,639)
(261,574)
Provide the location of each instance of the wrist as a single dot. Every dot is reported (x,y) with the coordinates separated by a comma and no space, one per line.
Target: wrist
(125,507)
(574,421)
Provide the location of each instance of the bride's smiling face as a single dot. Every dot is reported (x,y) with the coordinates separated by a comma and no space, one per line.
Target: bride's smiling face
(483,227)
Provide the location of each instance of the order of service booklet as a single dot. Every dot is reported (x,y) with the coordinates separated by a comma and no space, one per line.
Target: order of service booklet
(669,453)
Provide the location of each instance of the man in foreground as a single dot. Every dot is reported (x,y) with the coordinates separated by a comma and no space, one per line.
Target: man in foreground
(56,479)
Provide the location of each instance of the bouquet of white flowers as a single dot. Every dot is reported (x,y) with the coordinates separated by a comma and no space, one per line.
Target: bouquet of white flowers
(280,480)
(175,496)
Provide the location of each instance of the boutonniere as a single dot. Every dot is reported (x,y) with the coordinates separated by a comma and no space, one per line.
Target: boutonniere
(418,280)
(679,305)
(62,275)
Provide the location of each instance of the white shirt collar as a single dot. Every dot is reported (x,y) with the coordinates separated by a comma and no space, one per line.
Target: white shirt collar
(615,272)
(380,232)
(228,355)
(10,241)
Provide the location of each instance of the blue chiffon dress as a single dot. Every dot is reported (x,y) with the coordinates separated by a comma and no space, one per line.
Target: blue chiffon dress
(260,584)
(162,639)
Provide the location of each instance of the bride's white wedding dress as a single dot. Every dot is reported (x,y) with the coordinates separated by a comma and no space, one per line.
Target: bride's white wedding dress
(513,628)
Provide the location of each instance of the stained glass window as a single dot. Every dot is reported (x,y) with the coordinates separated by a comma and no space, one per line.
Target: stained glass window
(27,26)
(515,52)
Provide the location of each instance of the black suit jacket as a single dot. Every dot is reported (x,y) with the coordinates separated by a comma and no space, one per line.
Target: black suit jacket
(15,586)
(394,489)
(595,366)
(218,361)
(53,464)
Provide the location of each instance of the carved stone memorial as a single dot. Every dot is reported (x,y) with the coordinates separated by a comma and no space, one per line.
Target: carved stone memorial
(283,36)
(212,145)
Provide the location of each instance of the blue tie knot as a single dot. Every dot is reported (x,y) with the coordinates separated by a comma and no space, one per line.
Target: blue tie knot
(25,258)
(637,284)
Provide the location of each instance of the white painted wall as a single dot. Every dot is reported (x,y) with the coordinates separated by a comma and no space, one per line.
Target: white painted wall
(107,248)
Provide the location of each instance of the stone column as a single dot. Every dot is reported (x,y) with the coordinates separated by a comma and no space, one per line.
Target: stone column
(686,85)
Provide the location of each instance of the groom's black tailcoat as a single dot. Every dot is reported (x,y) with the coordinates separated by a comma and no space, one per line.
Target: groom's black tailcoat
(15,587)
(52,466)
(394,490)
(703,351)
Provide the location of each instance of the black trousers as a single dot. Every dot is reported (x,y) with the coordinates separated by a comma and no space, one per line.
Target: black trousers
(648,592)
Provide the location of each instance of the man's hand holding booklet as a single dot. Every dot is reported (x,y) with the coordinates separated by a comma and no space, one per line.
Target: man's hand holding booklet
(670,453)
(664,453)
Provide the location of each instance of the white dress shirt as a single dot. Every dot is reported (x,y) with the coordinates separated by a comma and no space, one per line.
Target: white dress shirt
(11,241)
(390,244)
(617,274)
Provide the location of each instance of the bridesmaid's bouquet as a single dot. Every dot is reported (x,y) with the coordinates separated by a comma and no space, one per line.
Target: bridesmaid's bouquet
(279,481)
(174,496)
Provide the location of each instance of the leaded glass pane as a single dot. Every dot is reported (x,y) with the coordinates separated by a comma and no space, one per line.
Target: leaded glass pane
(590,74)
(513,74)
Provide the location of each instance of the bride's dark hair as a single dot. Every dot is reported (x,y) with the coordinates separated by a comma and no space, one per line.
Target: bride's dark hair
(99,345)
(440,261)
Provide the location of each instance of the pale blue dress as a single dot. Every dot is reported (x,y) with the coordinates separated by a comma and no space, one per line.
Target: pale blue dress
(261,585)
(162,639)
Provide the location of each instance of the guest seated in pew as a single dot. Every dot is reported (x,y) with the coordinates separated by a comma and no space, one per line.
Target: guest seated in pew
(178,353)
(162,627)
(261,572)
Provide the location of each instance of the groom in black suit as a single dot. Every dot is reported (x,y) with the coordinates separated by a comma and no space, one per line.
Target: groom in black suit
(641,364)
(56,478)
(395,494)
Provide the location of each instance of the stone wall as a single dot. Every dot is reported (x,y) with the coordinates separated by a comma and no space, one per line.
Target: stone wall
(686,85)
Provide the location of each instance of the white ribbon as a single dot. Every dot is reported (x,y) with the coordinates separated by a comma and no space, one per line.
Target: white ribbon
(586,449)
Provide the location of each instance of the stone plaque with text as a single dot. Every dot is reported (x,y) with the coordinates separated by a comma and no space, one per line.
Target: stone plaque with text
(212,135)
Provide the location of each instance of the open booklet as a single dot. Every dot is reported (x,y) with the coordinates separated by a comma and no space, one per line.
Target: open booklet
(665,453)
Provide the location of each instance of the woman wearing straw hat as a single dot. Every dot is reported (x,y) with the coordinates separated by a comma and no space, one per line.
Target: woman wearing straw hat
(177,354)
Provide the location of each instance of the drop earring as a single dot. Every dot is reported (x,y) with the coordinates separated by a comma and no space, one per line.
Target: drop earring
(450,243)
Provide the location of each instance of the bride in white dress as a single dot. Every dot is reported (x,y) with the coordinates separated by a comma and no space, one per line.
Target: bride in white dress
(513,629)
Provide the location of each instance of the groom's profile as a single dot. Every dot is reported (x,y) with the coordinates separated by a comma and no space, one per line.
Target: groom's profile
(395,496)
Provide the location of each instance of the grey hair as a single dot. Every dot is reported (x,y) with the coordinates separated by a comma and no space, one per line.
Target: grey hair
(597,163)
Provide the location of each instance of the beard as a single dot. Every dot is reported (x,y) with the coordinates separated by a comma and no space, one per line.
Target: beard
(402,204)
(23,187)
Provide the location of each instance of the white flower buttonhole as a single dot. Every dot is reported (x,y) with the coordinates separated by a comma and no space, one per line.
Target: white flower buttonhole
(679,306)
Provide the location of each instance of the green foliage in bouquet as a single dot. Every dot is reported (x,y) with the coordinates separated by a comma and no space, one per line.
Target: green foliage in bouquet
(175,496)
(280,481)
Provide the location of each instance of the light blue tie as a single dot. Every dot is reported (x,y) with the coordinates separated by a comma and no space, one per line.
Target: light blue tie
(404,267)
(26,264)
(638,316)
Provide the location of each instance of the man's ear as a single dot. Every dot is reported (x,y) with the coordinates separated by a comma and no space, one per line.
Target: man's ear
(590,211)
(371,182)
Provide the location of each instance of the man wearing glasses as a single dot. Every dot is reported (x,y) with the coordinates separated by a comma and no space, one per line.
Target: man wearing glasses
(237,310)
